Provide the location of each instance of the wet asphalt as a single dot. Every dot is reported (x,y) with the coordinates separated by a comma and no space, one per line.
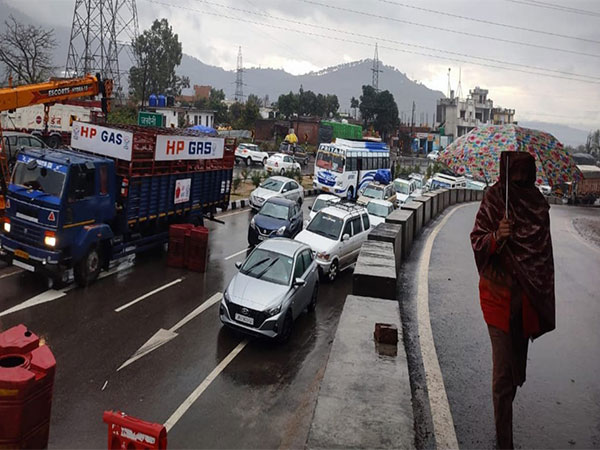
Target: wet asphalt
(264,398)
(559,404)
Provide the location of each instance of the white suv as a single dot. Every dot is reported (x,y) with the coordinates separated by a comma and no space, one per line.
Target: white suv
(336,235)
(250,153)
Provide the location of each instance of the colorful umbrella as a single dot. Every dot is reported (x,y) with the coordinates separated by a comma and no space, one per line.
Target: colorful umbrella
(477,154)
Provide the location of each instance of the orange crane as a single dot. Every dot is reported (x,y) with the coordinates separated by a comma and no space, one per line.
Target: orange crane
(48,93)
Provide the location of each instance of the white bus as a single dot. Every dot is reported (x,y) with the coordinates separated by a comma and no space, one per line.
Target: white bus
(344,167)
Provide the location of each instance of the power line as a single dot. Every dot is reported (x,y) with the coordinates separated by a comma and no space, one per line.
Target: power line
(376,38)
(448,30)
(556,7)
(306,33)
(488,22)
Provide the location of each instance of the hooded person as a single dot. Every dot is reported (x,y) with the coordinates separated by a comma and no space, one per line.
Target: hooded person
(513,254)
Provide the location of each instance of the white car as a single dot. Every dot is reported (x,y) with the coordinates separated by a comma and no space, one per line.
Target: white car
(433,156)
(321,202)
(378,210)
(250,153)
(376,190)
(336,235)
(405,190)
(276,187)
(280,163)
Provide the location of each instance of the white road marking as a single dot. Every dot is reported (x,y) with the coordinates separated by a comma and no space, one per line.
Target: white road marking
(236,254)
(104,385)
(188,402)
(443,424)
(45,297)
(10,274)
(149,294)
(163,336)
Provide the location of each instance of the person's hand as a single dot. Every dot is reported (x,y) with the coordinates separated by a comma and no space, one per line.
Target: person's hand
(504,230)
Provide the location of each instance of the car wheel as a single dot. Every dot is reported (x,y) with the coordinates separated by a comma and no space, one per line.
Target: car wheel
(313,301)
(88,269)
(282,171)
(248,161)
(287,328)
(264,162)
(333,272)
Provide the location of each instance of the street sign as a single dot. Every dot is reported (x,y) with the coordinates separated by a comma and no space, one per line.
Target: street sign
(148,119)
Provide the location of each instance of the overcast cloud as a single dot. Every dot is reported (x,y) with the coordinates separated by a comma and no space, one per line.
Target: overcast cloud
(282,43)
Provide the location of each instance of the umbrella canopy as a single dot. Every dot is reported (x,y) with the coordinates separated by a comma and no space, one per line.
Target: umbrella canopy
(203,129)
(477,154)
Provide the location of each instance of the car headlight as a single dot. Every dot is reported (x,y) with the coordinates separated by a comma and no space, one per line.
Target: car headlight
(253,223)
(323,255)
(273,311)
(226,298)
(7,226)
(281,231)
(338,182)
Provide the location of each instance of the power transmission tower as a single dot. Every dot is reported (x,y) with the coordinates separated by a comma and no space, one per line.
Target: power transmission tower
(412,119)
(239,82)
(100,29)
(376,70)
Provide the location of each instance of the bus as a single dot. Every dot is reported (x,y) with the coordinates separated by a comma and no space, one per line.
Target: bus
(344,167)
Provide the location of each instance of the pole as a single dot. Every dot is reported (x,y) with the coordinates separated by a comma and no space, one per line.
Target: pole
(506,183)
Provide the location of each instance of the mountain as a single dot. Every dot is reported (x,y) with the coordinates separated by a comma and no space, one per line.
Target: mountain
(344,80)
(564,133)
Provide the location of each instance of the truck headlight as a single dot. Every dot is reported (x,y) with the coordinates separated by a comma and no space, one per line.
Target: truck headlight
(7,226)
(50,239)
(281,231)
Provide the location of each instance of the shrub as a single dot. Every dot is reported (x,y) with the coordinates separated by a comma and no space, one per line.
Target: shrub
(236,183)
(256,178)
(244,173)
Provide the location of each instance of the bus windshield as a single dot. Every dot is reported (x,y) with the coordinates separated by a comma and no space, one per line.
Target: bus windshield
(331,161)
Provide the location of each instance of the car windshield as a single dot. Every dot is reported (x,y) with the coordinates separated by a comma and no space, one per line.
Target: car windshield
(326,225)
(319,204)
(372,192)
(272,185)
(252,147)
(376,209)
(34,175)
(268,266)
(274,210)
(401,188)
(330,161)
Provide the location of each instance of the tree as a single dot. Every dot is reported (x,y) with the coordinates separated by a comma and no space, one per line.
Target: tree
(592,145)
(215,102)
(251,112)
(332,105)
(354,105)
(157,52)
(287,104)
(26,50)
(378,109)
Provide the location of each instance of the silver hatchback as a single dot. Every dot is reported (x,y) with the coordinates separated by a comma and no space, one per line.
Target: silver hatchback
(278,280)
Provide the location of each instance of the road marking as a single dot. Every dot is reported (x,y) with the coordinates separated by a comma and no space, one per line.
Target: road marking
(236,254)
(45,297)
(443,424)
(149,294)
(163,336)
(10,274)
(188,402)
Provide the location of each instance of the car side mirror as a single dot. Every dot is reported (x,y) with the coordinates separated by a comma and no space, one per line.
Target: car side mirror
(345,237)
(238,265)
(310,208)
(299,282)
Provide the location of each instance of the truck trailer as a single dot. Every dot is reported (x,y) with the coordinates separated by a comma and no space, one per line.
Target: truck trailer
(69,213)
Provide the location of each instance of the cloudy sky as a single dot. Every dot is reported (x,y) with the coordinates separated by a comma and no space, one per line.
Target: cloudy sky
(554,51)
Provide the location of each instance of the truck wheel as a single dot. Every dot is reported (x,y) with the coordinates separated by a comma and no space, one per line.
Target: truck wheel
(87,270)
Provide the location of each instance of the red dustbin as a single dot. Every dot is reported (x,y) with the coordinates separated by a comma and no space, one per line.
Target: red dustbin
(126,432)
(198,249)
(178,243)
(26,379)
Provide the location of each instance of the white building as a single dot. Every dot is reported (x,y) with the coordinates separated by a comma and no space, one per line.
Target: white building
(176,115)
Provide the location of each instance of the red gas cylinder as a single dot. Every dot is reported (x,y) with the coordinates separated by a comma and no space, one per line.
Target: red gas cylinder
(179,236)
(26,379)
(198,249)
(126,432)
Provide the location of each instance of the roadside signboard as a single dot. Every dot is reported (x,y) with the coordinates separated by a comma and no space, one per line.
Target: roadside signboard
(102,140)
(173,148)
(149,119)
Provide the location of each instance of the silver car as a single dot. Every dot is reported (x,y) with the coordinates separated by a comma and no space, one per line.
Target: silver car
(278,280)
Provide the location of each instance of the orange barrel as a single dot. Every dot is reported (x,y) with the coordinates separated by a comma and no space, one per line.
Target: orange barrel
(26,380)
(178,242)
(198,249)
(128,432)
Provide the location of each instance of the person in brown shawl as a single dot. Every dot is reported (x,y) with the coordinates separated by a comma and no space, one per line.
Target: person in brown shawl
(513,254)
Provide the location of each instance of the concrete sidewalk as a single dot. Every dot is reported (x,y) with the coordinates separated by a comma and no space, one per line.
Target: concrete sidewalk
(365,396)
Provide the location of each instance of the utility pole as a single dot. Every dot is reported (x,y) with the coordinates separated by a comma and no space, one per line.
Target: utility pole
(449,88)
(459,87)
(239,82)
(376,70)
(412,120)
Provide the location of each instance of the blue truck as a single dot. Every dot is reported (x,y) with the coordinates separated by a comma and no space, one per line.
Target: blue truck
(69,213)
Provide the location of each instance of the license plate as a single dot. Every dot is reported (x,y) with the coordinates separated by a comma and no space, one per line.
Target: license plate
(22,265)
(21,254)
(244,319)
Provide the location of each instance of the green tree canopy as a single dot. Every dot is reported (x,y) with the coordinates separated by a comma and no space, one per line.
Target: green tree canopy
(157,52)
(378,109)
(215,102)
(307,103)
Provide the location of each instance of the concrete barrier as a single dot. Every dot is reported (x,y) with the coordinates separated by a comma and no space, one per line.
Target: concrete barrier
(392,233)
(375,271)
(468,193)
(435,203)
(418,213)
(406,219)
(426,208)
(444,199)
(460,195)
(479,195)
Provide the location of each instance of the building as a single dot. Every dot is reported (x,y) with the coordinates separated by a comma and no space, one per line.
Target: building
(306,128)
(456,116)
(200,92)
(176,116)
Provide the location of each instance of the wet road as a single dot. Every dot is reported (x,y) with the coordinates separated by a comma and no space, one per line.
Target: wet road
(559,405)
(257,167)
(263,399)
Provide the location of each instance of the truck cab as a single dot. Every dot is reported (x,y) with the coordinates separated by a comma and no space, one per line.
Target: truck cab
(59,207)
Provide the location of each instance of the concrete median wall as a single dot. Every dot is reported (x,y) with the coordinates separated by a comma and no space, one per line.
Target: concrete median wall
(418,210)
(434,203)
(375,271)
(392,233)
(427,202)
(460,195)
(453,196)
(406,220)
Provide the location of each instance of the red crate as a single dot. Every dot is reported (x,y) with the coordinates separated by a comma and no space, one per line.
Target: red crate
(126,432)
(179,236)
(198,249)
(26,380)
